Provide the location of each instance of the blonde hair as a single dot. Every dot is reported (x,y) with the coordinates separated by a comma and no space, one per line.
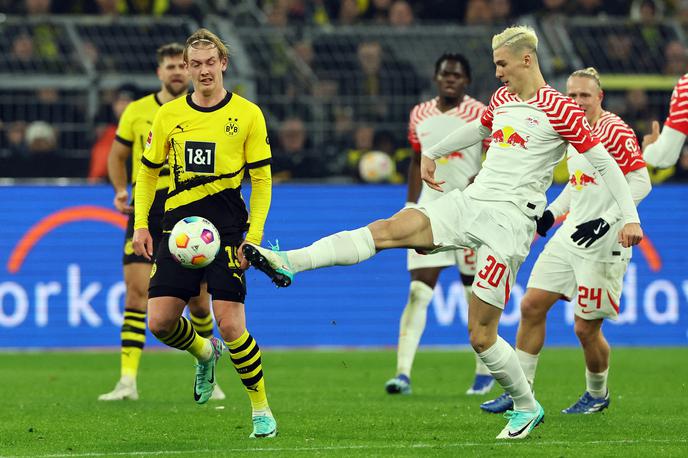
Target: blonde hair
(518,37)
(590,72)
(205,39)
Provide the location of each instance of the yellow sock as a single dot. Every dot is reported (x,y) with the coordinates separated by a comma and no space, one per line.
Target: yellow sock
(133,336)
(203,325)
(245,355)
(185,338)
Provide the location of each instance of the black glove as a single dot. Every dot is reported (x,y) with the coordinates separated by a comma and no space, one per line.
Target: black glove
(590,231)
(544,223)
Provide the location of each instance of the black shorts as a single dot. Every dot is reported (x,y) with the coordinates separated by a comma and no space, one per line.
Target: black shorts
(225,279)
(154,226)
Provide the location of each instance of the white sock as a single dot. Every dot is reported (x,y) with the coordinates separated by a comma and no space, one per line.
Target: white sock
(412,325)
(340,249)
(596,383)
(528,364)
(503,363)
(480,367)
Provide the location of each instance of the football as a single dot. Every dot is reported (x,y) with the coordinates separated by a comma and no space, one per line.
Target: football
(194,242)
(376,167)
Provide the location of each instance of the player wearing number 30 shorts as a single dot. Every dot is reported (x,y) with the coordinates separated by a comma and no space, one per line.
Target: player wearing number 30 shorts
(583,261)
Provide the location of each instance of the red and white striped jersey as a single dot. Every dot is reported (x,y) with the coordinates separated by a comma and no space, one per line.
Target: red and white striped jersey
(428,125)
(528,139)
(678,108)
(590,199)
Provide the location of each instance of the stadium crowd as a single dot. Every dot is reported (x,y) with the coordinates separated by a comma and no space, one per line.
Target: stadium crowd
(328,97)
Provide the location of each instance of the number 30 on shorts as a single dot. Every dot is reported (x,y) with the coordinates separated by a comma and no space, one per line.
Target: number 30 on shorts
(493,271)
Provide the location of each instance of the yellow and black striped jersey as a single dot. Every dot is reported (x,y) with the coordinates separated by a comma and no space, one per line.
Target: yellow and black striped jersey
(133,129)
(208,149)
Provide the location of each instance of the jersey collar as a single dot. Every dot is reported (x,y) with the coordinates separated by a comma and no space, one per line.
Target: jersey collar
(221,104)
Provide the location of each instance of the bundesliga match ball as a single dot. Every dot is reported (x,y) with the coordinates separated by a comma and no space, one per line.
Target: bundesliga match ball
(194,242)
(376,167)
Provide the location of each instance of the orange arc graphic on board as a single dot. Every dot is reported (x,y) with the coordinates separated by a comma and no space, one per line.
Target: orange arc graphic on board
(55,220)
(646,247)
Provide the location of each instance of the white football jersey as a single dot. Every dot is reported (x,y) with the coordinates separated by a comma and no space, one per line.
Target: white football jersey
(590,199)
(428,125)
(529,138)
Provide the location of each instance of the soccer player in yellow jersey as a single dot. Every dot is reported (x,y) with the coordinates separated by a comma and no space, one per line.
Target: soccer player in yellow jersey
(209,138)
(132,133)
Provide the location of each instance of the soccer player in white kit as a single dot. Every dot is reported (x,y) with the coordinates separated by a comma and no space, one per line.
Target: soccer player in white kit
(662,150)
(430,122)
(530,124)
(584,257)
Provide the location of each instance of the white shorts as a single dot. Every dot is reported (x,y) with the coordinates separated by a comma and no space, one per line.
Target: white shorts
(499,232)
(595,285)
(464,259)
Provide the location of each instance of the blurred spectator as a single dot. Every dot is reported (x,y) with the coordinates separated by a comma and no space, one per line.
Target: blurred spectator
(385,141)
(637,111)
(107,8)
(37,7)
(646,11)
(501,12)
(40,138)
(378,12)
(400,14)
(552,9)
(478,12)
(675,58)
(363,142)
(276,13)
(185,8)
(22,55)
(101,148)
(14,134)
(379,84)
(293,156)
(619,48)
(349,13)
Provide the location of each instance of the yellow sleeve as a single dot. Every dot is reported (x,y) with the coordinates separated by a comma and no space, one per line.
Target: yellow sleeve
(258,158)
(125,133)
(152,160)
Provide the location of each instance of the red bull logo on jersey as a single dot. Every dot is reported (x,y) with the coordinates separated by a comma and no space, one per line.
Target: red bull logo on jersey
(454,155)
(579,180)
(507,137)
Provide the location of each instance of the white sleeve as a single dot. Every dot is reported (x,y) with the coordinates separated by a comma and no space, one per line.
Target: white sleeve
(561,204)
(640,186)
(463,137)
(665,151)
(613,178)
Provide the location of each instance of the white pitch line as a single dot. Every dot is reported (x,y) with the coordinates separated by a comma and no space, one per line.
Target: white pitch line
(363,447)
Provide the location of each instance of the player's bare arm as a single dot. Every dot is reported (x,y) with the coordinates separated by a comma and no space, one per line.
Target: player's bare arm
(117,171)
(652,137)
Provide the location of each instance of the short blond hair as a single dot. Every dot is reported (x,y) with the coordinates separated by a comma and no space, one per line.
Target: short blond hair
(519,37)
(590,72)
(205,39)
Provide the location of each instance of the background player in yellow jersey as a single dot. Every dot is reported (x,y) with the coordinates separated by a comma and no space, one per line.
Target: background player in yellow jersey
(132,133)
(209,139)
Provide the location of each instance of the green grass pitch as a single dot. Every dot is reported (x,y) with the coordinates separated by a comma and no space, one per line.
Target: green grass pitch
(333,404)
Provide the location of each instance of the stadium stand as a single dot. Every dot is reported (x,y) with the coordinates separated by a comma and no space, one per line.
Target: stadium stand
(314,64)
